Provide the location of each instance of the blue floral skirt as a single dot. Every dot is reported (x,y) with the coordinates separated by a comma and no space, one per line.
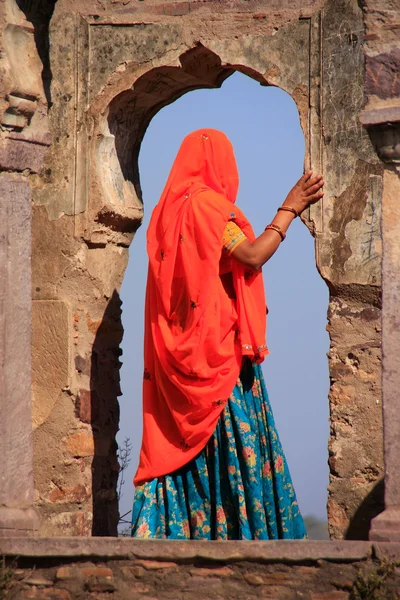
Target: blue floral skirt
(237,488)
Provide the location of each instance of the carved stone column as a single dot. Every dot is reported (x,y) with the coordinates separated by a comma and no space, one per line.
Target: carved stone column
(16,471)
(24,140)
(383,125)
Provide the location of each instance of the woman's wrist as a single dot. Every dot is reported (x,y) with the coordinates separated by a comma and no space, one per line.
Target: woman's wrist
(283,219)
(294,205)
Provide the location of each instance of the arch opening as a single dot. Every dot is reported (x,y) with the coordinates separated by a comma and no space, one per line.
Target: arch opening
(130,115)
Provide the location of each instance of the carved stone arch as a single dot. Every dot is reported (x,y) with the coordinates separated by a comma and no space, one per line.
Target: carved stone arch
(134,93)
(129,113)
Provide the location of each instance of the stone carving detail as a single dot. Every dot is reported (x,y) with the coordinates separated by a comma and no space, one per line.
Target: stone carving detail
(24,135)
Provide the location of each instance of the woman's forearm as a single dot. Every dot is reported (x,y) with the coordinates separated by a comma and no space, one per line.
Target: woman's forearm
(260,251)
(306,191)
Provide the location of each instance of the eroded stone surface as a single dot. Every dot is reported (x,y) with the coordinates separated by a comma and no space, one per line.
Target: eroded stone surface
(50,356)
(124,569)
(16,475)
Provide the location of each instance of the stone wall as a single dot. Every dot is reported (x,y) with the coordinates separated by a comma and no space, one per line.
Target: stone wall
(98,75)
(126,569)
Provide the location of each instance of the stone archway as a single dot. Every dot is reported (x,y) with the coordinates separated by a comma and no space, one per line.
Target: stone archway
(107,85)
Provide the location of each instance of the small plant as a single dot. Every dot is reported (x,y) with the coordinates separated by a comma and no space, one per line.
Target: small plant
(124,458)
(373,586)
(6,575)
(125,532)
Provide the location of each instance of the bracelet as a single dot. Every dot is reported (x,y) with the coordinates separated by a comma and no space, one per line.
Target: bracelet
(289,209)
(277,229)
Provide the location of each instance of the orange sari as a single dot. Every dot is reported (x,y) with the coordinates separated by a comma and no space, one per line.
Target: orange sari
(195,334)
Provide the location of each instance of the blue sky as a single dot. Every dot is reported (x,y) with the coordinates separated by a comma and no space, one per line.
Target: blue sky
(263,125)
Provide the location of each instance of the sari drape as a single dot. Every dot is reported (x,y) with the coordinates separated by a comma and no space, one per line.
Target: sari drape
(195,334)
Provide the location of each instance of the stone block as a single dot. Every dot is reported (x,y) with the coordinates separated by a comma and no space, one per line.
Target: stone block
(96,572)
(38,593)
(16,481)
(50,355)
(19,155)
(100,587)
(39,580)
(386,526)
(155,565)
(74,523)
(135,571)
(84,444)
(387,550)
(79,444)
(253,579)
(175,9)
(65,495)
(88,406)
(382,74)
(24,62)
(212,572)
(166,552)
(330,596)
(83,572)
(18,522)
(12,120)
(82,365)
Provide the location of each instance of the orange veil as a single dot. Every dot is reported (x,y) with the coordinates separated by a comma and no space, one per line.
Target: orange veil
(195,335)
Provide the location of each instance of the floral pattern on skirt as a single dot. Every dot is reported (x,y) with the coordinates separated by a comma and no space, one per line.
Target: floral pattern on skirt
(238,488)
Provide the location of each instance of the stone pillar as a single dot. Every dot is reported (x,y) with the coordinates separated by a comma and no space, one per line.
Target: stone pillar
(383,125)
(16,474)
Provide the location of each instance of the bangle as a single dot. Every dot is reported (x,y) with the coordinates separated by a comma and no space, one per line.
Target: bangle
(277,229)
(289,209)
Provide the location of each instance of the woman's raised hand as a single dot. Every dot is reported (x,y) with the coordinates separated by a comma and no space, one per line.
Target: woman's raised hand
(305,192)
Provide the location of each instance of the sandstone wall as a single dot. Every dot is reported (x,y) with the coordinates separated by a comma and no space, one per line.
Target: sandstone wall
(127,569)
(98,75)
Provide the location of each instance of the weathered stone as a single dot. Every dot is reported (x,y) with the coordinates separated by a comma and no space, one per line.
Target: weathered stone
(155,565)
(96,572)
(165,552)
(92,585)
(80,444)
(45,594)
(12,120)
(39,581)
(382,74)
(16,481)
(64,573)
(212,572)
(282,578)
(88,406)
(135,571)
(19,156)
(50,356)
(253,579)
(77,523)
(330,596)
(76,494)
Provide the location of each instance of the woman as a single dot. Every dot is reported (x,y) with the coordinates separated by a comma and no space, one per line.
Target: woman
(211,464)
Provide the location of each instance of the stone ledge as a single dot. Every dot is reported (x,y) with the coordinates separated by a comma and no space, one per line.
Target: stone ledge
(286,551)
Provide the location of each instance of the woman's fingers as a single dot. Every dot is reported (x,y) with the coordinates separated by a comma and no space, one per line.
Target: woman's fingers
(313,181)
(305,177)
(315,197)
(314,188)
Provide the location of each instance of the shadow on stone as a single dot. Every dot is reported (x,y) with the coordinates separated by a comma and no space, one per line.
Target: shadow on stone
(104,411)
(372,505)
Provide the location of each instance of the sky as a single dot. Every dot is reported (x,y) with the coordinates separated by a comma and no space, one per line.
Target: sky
(263,125)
